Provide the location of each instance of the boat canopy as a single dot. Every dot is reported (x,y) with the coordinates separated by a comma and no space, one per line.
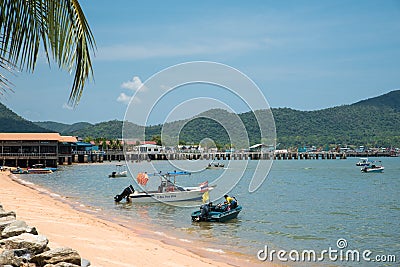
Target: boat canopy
(174,173)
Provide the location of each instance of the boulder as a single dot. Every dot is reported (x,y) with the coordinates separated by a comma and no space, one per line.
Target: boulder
(62,264)
(9,217)
(16,228)
(14,257)
(35,244)
(7,213)
(58,255)
(4,224)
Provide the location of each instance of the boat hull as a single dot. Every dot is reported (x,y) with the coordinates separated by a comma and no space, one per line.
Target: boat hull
(118,175)
(373,170)
(218,216)
(153,197)
(39,171)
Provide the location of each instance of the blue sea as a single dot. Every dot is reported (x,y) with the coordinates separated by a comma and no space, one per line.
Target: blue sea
(302,205)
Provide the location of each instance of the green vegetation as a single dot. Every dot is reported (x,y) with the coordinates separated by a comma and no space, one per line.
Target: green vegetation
(12,123)
(369,122)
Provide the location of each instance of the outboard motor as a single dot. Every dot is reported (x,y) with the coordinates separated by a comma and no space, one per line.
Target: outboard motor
(204,211)
(127,191)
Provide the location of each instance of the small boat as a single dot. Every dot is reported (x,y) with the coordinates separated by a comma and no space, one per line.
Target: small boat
(40,169)
(120,172)
(216,165)
(218,213)
(168,190)
(18,170)
(363,162)
(373,168)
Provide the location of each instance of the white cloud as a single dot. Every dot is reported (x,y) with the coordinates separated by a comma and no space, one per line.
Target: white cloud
(135,84)
(124,98)
(66,106)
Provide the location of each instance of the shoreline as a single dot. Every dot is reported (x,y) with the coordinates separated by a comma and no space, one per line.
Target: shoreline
(103,242)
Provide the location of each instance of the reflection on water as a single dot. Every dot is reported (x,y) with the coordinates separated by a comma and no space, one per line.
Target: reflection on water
(304,204)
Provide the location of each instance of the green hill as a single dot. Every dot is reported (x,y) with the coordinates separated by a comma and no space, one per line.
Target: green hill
(63,128)
(12,123)
(389,100)
(372,122)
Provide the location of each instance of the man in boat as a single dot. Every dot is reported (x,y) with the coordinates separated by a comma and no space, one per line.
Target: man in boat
(231,202)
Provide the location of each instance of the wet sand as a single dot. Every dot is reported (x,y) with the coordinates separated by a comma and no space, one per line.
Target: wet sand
(102,242)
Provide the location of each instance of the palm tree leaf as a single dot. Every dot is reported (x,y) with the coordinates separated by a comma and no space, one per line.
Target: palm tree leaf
(59,26)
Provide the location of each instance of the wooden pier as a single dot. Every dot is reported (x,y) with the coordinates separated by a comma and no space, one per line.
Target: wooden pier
(233,156)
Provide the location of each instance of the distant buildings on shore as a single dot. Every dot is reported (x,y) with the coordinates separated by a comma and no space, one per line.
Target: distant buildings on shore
(52,149)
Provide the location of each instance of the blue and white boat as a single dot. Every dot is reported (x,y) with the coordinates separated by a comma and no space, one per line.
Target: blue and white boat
(363,162)
(374,167)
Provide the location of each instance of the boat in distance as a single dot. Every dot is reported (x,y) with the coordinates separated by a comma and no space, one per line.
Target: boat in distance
(218,213)
(363,162)
(120,172)
(168,190)
(36,169)
(373,167)
(215,166)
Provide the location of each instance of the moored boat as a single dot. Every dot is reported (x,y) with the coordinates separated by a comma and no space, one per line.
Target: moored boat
(40,169)
(168,190)
(218,213)
(373,167)
(215,165)
(19,171)
(363,162)
(120,172)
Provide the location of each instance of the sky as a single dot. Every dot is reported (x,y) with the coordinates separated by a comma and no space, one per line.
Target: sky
(305,55)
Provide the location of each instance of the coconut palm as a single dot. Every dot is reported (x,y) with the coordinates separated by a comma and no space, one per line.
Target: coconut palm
(58,26)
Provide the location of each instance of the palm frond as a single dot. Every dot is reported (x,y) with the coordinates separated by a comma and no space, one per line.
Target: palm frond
(59,25)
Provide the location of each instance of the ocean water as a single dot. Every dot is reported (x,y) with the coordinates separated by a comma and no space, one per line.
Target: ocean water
(302,205)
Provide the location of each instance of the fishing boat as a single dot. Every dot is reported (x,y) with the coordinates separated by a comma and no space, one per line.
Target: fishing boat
(374,167)
(18,170)
(168,190)
(40,169)
(120,172)
(363,162)
(218,213)
(215,165)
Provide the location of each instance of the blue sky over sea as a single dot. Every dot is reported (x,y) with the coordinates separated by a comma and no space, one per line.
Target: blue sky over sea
(305,55)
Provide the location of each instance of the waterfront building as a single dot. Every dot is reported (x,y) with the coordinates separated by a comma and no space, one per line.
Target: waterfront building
(26,149)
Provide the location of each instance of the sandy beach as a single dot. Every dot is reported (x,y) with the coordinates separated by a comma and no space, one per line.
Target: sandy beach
(102,242)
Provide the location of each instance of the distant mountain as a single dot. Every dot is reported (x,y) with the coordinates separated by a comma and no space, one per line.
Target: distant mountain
(389,100)
(12,123)
(62,128)
(371,122)
(109,129)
